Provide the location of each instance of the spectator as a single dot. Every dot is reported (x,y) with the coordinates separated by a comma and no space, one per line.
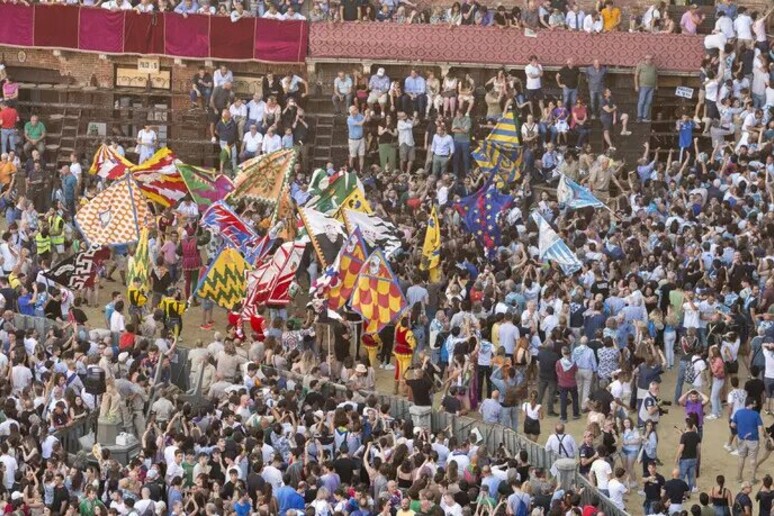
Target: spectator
(645,83)
(34,135)
(342,93)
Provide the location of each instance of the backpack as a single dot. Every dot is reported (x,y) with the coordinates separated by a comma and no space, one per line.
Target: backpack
(690,371)
(521,507)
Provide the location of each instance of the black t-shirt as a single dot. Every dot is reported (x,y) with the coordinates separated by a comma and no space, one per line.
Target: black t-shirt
(60,495)
(345,468)
(755,388)
(653,488)
(203,82)
(351,9)
(585,452)
(569,77)
(675,489)
(420,391)
(451,404)
(600,287)
(764,499)
(743,500)
(604,398)
(10,296)
(690,441)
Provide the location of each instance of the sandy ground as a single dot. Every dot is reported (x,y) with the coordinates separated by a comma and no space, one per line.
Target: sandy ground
(715,460)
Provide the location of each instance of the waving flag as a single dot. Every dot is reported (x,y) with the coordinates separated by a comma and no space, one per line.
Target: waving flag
(326,234)
(78,271)
(479,213)
(139,264)
(337,281)
(552,248)
(206,186)
(431,249)
(355,201)
(502,164)
(159,179)
(507,133)
(376,295)
(108,164)
(224,282)
(262,178)
(115,215)
(329,193)
(377,232)
(270,283)
(221,219)
(574,195)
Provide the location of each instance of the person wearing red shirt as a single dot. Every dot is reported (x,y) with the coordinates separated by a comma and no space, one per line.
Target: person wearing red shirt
(8,119)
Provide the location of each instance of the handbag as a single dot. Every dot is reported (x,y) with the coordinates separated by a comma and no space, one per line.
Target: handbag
(732,367)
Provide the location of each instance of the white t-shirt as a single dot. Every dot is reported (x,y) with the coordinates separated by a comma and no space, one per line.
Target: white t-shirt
(691,316)
(743,27)
(9,260)
(716,41)
(617,491)
(736,399)
(602,472)
(699,366)
(769,356)
(252,143)
(533,83)
(146,137)
(117,322)
(10,470)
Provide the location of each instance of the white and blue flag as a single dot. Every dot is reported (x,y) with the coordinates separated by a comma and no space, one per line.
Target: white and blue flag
(575,196)
(552,248)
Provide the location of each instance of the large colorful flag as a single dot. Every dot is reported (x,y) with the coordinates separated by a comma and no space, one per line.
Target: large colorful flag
(479,213)
(224,221)
(206,186)
(115,215)
(502,164)
(506,133)
(108,164)
(376,295)
(159,179)
(79,270)
(224,282)
(377,232)
(337,281)
(431,248)
(270,283)
(262,178)
(575,196)
(355,201)
(330,193)
(552,248)
(325,232)
(139,264)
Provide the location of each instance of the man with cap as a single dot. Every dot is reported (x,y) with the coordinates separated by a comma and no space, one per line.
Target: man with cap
(378,86)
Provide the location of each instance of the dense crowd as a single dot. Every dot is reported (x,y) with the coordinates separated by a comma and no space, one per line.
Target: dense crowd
(677,280)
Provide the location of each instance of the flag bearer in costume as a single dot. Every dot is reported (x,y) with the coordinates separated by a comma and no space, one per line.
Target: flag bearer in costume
(173,307)
(371,343)
(192,260)
(137,300)
(405,343)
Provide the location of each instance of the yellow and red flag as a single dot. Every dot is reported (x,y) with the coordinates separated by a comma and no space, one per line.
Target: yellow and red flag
(376,295)
(159,178)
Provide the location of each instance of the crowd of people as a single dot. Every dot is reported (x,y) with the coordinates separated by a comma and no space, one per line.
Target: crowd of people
(676,284)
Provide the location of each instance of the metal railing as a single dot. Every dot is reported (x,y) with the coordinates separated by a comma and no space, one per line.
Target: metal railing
(69,436)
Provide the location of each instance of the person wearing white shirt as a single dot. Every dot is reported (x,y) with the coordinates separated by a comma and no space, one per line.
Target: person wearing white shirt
(10,466)
(117,320)
(238,110)
(174,469)
(146,142)
(725,26)
(221,76)
(592,23)
(534,73)
(21,378)
(252,142)
(601,472)
(574,18)
(271,142)
(617,489)
(255,109)
(145,6)
(743,26)
(118,5)
(442,149)
(649,19)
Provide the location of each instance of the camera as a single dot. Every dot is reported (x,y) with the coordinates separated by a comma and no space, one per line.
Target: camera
(661,404)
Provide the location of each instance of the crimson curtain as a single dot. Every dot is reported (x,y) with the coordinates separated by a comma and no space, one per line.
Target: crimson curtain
(168,34)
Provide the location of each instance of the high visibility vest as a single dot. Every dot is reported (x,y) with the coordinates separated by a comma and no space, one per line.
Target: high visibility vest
(56,223)
(42,244)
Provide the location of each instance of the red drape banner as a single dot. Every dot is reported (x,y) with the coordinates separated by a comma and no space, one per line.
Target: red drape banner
(101,31)
(16,25)
(56,26)
(91,29)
